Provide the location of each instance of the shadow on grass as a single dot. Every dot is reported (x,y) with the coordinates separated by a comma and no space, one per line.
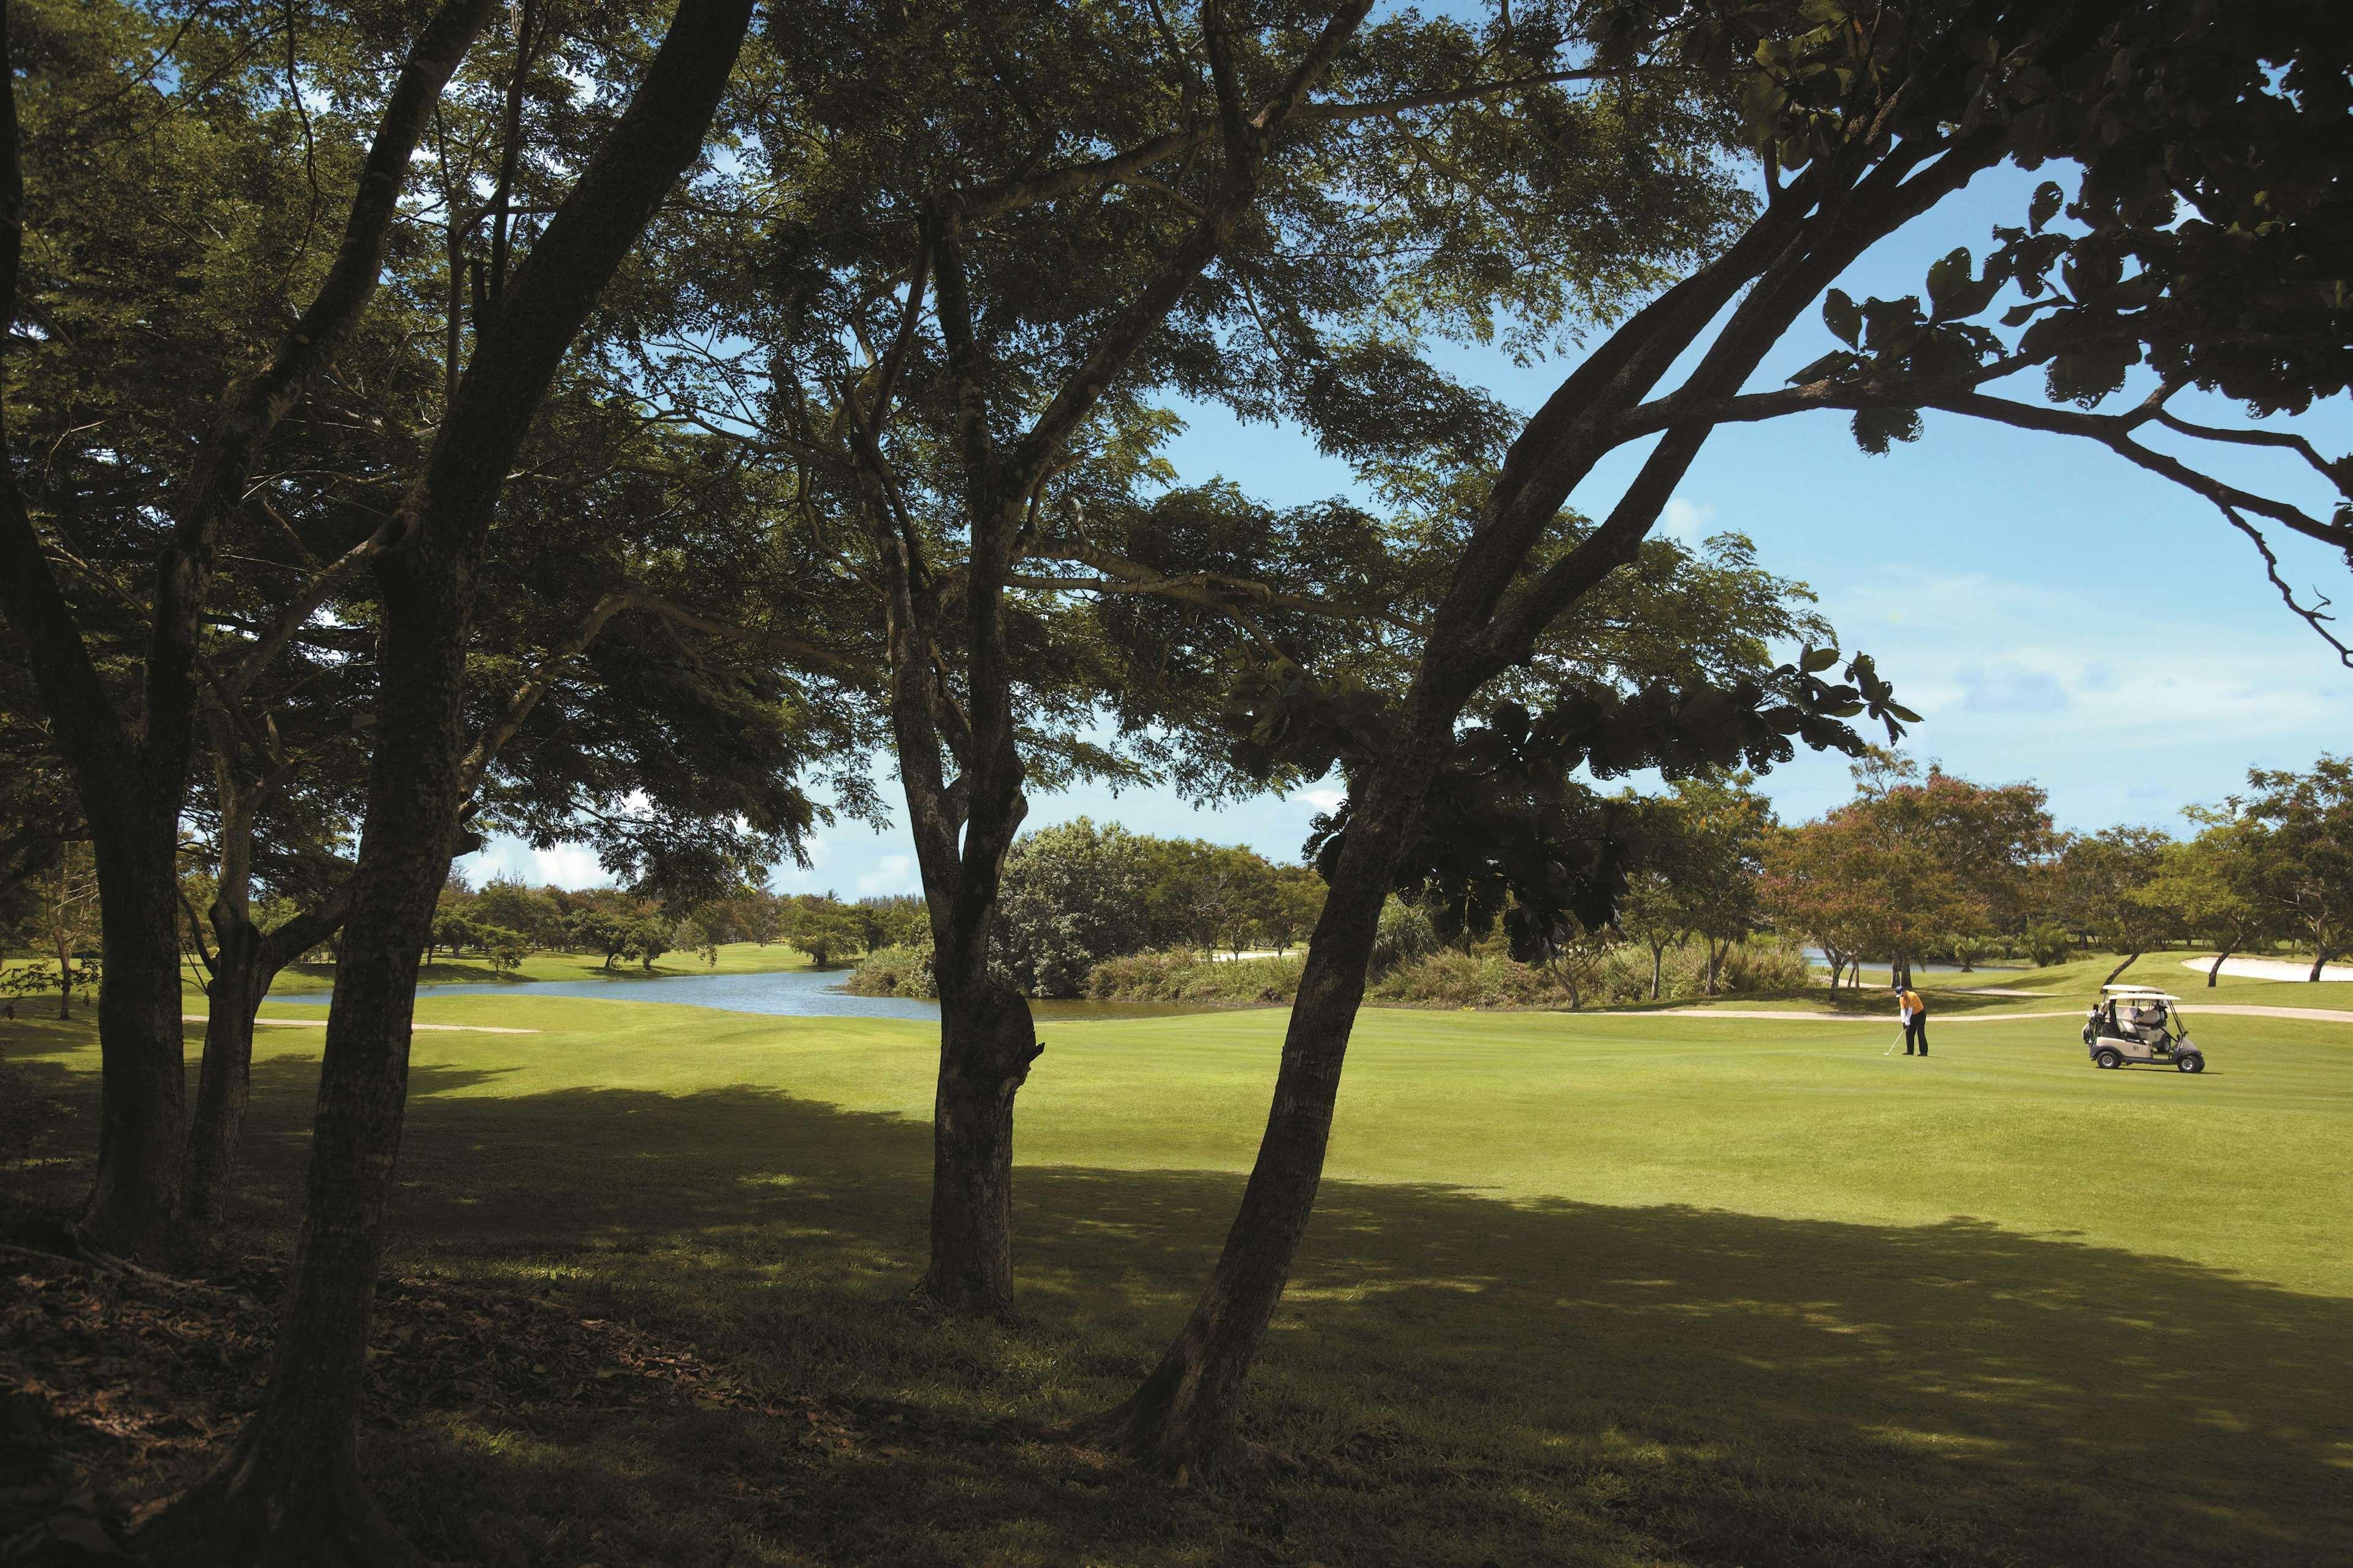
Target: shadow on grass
(1470,1381)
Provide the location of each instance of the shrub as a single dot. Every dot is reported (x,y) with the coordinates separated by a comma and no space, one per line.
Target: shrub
(898,971)
(1452,978)
(1179,974)
(1405,935)
(505,948)
(2047,945)
(1759,966)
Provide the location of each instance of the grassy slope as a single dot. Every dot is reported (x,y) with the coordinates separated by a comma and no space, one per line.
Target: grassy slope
(1625,1291)
(735,958)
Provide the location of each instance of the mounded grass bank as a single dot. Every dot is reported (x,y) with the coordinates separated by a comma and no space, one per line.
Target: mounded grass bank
(1628,1290)
(735,958)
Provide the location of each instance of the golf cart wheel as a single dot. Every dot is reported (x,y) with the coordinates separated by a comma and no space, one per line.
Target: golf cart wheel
(2189,1062)
(2108,1057)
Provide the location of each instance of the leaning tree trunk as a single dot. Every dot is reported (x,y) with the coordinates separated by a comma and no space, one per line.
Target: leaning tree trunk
(2319,959)
(1181,1420)
(245,967)
(233,996)
(2215,969)
(61,949)
(2130,959)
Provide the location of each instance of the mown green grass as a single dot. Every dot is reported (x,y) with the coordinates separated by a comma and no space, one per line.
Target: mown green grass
(1625,1291)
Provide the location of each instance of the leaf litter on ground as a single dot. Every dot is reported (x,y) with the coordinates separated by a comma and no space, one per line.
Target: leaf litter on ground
(117,1389)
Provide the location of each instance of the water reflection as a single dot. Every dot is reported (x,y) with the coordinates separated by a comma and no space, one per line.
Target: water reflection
(798,993)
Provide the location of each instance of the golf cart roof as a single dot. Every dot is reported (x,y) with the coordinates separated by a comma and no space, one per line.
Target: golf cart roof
(2147,991)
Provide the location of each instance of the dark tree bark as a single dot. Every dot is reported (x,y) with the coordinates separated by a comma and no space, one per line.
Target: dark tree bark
(1182,1417)
(132,777)
(2320,957)
(289,1492)
(244,966)
(247,960)
(962,829)
(2214,970)
(2130,959)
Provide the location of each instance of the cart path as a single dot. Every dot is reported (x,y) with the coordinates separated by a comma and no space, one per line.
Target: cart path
(2242,1010)
(442,1028)
(2270,969)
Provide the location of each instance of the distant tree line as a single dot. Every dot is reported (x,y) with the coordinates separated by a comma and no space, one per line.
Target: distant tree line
(1077,895)
(1920,867)
(506,919)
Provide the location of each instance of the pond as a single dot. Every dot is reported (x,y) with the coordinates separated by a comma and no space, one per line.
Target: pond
(1818,959)
(797,993)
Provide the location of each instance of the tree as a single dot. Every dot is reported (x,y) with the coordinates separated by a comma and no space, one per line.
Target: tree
(1650,911)
(531,914)
(982,445)
(1809,892)
(290,1488)
(2103,882)
(63,921)
(1294,903)
(131,775)
(2306,875)
(646,939)
(822,927)
(689,936)
(892,921)
(1992,840)
(1724,826)
(602,932)
(1073,896)
(2212,886)
(1861,117)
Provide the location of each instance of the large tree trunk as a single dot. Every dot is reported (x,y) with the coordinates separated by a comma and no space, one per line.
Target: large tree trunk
(1182,1419)
(289,1492)
(2319,959)
(141,1061)
(985,1049)
(2214,970)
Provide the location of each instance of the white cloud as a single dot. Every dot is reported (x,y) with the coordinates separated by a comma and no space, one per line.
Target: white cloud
(570,865)
(1686,522)
(2127,707)
(895,874)
(1324,799)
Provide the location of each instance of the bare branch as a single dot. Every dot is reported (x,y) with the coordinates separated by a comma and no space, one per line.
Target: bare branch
(2316,616)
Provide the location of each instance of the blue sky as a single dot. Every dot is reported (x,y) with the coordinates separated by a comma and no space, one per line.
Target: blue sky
(2053,613)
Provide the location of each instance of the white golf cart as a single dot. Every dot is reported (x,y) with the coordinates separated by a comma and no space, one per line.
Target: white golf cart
(2140,1024)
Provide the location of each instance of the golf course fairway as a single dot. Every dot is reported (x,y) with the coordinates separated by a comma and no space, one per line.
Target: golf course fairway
(1627,1290)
